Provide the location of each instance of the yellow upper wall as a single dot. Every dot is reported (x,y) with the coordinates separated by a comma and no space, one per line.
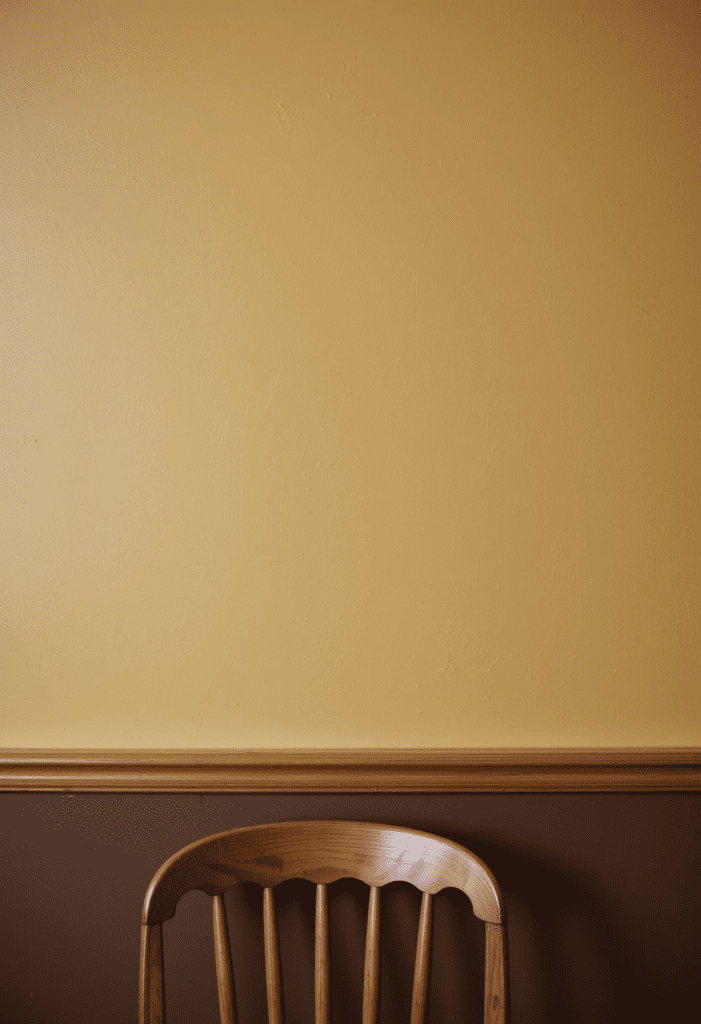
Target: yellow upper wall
(351,374)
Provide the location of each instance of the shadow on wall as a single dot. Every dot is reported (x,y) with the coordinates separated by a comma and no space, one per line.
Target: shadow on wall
(572,958)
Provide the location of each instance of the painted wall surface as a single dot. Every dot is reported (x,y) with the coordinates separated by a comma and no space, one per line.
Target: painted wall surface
(589,938)
(350,360)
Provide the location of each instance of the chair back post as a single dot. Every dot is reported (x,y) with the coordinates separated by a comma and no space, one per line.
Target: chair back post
(494,975)
(152,998)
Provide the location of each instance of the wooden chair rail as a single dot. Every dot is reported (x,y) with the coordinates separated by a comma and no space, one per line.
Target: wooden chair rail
(353,770)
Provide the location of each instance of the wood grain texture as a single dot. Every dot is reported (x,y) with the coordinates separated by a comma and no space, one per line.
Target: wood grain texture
(494,975)
(272,957)
(223,965)
(152,1003)
(321,852)
(353,770)
(423,945)
(321,956)
(371,976)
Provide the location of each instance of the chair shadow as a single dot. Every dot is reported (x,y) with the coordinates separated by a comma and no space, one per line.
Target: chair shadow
(564,959)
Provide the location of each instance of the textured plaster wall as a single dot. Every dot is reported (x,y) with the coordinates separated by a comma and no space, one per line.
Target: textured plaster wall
(350,373)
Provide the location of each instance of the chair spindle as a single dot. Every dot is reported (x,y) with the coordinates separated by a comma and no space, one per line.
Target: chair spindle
(152,999)
(494,982)
(222,957)
(321,957)
(418,1000)
(372,958)
(272,958)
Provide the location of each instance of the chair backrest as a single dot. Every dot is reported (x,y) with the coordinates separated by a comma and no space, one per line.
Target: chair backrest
(321,852)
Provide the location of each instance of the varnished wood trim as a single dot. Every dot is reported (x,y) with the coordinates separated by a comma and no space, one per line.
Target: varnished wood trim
(353,770)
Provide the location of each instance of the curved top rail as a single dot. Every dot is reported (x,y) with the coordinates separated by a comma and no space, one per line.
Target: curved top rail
(322,851)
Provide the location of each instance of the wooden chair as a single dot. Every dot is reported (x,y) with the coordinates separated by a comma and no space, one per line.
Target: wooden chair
(320,851)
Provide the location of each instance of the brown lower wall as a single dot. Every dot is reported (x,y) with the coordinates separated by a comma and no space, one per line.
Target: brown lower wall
(602,894)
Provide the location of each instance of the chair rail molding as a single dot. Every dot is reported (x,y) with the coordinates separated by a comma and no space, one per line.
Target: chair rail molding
(353,770)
